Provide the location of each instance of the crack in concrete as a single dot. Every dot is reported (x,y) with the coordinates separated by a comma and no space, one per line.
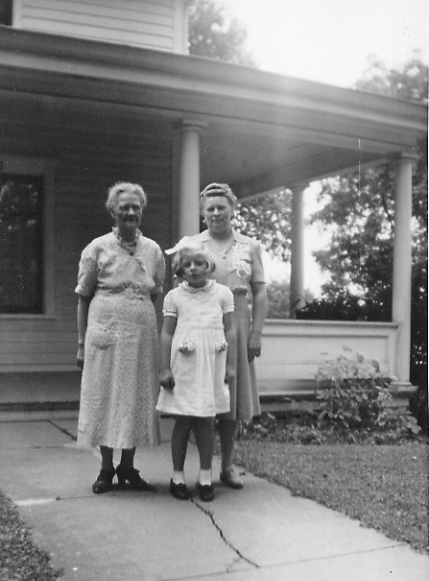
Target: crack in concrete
(63,430)
(222,536)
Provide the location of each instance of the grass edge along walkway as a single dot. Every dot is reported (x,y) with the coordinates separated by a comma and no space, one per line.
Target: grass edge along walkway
(384,487)
(20,558)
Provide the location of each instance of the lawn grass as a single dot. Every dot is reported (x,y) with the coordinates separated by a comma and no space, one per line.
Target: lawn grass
(20,559)
(385,487)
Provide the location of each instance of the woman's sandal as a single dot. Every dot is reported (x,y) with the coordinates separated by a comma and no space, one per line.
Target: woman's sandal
(131,475)
(104,481)
(230,478)
(179,490)
(206,492)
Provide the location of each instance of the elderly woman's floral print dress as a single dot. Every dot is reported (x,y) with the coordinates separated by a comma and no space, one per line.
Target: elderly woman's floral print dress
(198,350)
(120,382)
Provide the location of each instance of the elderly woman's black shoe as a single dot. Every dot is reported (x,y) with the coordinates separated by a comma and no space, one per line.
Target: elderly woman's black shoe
(104,481)
(132,476)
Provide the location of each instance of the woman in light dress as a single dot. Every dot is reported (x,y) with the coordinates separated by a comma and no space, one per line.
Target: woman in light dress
(120,276)
(238,261)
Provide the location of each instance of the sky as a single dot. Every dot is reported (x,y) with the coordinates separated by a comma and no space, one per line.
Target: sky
(330,42)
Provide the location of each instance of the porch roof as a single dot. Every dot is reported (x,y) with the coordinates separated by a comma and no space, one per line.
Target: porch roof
(261,130)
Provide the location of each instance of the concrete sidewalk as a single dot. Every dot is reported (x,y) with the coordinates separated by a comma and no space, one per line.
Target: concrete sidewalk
(261,533)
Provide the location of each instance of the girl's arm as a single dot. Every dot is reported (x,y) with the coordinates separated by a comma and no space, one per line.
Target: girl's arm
(166,377)
(231,354)
(82,322)
(259,292)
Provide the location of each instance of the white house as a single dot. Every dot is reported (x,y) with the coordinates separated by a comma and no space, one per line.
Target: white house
(97,91)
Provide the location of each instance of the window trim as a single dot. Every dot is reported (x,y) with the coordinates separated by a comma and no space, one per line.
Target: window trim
(10,13)
(46,168)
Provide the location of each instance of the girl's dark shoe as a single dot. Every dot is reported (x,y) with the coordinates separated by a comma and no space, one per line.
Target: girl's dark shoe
(104,481)
(179,490)
(131,475)
(206,492)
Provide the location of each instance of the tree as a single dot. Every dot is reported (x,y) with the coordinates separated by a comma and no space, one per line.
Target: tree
(214,34)
(268,219)
(359,211)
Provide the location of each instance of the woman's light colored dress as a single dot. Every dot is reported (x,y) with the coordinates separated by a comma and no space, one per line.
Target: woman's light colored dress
(198,351)
(120,382)
(237,267)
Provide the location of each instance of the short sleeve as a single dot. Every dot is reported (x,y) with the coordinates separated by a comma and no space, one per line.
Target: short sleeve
(159,270)
(170,307)
(227,300)
(258,274)
(87,275)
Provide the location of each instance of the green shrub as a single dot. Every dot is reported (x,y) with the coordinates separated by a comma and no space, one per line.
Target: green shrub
(353,393)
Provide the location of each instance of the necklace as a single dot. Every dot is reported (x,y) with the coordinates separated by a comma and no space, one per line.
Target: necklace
(130,247)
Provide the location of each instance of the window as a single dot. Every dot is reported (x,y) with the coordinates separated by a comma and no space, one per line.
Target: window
(6,12)
(21,248)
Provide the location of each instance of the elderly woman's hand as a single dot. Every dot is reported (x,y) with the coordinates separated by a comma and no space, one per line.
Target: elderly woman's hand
(80,356)
(254,345)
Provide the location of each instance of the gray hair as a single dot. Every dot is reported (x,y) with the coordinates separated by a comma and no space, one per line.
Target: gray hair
(124,187)
(214,190)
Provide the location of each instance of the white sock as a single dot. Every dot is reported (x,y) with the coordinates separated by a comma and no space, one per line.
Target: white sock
(205,477)
(178,477)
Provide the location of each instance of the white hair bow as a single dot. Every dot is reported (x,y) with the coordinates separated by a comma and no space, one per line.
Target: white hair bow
(182,242)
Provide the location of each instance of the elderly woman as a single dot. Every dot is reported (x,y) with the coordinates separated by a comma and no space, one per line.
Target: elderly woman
(120,276)
(238,261)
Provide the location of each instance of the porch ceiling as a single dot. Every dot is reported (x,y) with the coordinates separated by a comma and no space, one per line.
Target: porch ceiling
(260,130)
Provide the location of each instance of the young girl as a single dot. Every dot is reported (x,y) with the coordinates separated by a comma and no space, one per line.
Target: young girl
(198,360)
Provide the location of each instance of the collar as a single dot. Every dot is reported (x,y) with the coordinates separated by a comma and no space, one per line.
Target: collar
(204,236)
(124,242)
(192,289)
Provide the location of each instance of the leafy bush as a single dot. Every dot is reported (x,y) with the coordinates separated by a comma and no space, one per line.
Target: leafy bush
(353,394)
(278,299)
(343,307)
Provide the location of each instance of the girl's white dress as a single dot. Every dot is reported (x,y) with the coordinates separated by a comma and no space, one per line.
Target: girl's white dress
(198,352)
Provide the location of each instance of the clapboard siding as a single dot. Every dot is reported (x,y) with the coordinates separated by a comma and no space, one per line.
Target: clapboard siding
(90,157)
(156,24)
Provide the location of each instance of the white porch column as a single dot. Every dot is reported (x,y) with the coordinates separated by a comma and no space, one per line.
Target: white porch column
(297,297)
(189,179)
(401,284)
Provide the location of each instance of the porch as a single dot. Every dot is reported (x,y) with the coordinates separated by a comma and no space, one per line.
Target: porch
(292,351)
(174,123)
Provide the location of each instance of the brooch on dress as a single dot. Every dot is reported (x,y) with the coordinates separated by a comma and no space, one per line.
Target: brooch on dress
(241,260)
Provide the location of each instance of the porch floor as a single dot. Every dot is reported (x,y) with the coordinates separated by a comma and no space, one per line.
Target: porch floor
(45,395)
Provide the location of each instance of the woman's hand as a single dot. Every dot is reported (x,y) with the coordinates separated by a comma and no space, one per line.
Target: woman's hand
(230,373)
(166,378)
(80,356)
(254,345)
